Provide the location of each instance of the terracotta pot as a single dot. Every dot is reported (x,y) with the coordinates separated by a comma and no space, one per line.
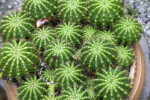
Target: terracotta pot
(137,72)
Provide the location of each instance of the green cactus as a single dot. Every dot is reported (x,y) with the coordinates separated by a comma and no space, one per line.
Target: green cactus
(75,93)
(104,12)
(48,75)
(125,56)
(98,53)
(68,74)
(32,89)
(72,10)
(58,52)
(51,97)
(42,37)
(128,31)
(40,8)
(17,25)
(112,84)
(18,59)
(70,32)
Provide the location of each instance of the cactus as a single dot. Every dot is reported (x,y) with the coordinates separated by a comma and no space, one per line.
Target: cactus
(98,53)
(58,52)
(75,93)
(70,32)
(49,97)
(48,75)
(17,25)
(68,74)
(40,8)
(104,12)
(112,84)
(128,31)
(32,89)
(18,59)
(125,56)
(72,10)
(42,37)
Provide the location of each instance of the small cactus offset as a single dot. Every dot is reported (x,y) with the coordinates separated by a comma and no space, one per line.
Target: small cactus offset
(72,10)
(32,89)
(98,53)
(112,84)
(125,56)
(42,37)
(52,97)
(40,8)
(17,25)
(128,31)
(70,32)
(18,59)
(104,12)
(75,93)
(48,75)
(58,52)
(68,74)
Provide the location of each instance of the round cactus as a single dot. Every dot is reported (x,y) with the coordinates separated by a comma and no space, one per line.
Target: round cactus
(42,37)
(40,8)
(48,75)
(128,31)
(98,53)
(32,89)
(72,10)
(75,93)
(18,59)
(51,97)
(17,25)
(104,12)
(70,32)
(125,56)
(112,84)
(58,52)
(68,74)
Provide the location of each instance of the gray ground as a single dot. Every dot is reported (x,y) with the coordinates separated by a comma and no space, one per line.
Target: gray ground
(143,15)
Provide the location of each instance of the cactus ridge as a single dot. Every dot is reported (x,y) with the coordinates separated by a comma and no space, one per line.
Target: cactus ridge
(18,59)
(16,25)
(112,84)
(32,89)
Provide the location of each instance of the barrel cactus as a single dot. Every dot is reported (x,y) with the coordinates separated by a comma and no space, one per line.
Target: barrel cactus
(17,25)
(128,31)
(18,59)
(48,75)
(104,12)
(40,8)
(70,32)
(32,89)
(72,10)
(51,97)
(125,56)
(112,84)
(75,93)
(42,37)
(58,52)
(98,53)
(68,74)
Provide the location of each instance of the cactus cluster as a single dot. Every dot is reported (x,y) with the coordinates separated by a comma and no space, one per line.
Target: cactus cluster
(72,10)
(40,8)
(112,84)
(17,25)
(18,59)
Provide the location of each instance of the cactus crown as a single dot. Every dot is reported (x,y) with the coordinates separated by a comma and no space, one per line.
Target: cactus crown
(58,52)
(72,10)
(128,31)
(70,32)
(112,84)
(68,74)
(42,37)
(125,56)
(98,53)
(32,89)
(40,8)
(18,59)
(17,25)
(104,12)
